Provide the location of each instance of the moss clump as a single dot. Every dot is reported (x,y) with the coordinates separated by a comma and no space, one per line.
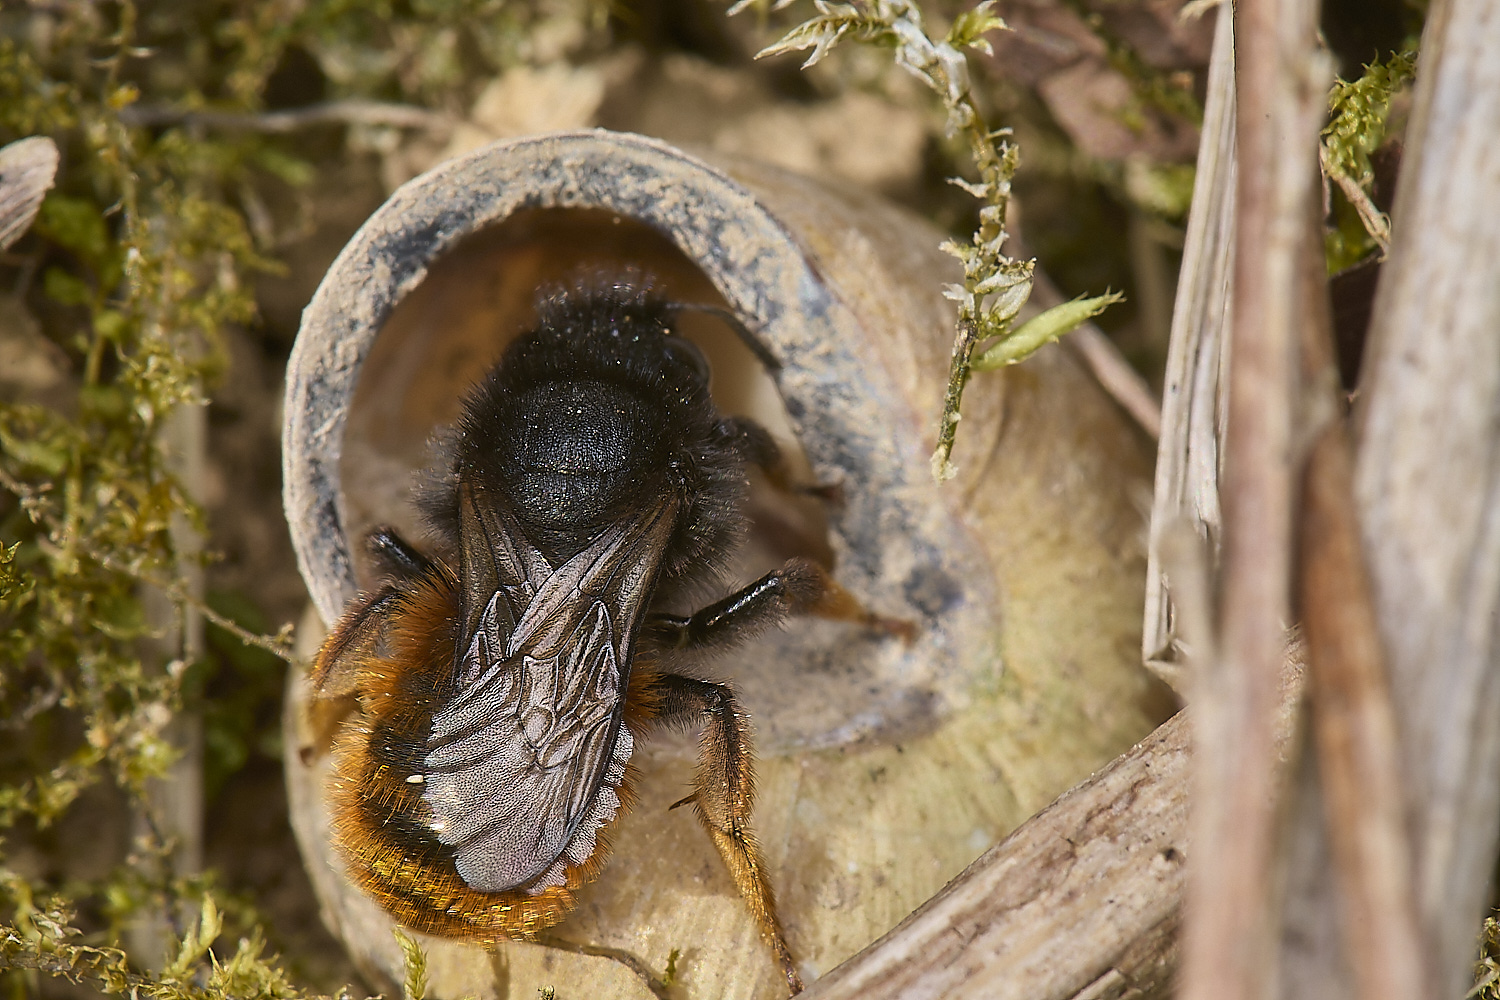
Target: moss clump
(139,261)
(1360,113)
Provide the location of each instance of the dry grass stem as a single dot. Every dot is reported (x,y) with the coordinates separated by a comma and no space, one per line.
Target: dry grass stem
(1228,939)
(1186,562)
(1355,729)
(1187,458)
(1124,384)
(1350,805)
(1427,477)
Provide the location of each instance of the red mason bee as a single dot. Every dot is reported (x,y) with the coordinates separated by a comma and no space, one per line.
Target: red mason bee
(505,681)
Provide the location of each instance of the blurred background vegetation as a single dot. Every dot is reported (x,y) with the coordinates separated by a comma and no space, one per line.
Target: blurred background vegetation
(216,154)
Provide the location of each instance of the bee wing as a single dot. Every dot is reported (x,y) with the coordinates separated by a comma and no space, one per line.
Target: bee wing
(495,559)
(529,752)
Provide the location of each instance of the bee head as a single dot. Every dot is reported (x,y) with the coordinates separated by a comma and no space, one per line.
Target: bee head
(616,331)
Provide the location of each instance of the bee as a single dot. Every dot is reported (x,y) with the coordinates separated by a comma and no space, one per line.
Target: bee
(505,681)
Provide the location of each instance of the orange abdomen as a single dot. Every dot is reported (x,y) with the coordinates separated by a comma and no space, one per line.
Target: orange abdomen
(381,821)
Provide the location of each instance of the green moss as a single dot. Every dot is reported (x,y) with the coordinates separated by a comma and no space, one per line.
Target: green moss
(1360,112)
(414,986)
(139,260)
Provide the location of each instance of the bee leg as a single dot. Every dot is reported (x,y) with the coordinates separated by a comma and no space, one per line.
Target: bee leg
(357,633)
(394,556)
(756,446)
(799,587)
(724,790)
(335,670)
(736,325)
(793,588)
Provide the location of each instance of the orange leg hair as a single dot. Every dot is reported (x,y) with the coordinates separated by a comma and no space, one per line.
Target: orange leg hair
(724,792)
(725,782)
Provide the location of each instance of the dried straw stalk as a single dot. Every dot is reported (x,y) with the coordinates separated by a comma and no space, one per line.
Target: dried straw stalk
(1229,937)
(1349,807)
(1427,477)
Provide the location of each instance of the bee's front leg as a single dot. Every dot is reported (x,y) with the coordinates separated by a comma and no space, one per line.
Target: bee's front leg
(724,791)
(799,587)
(394,557)
(356,635)
(757,447)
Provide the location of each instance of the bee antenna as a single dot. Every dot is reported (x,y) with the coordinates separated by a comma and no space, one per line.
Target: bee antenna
(731,319)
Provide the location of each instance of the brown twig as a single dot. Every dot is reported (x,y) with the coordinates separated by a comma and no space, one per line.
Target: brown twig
(1103,865)
(1080,901)
(1228,940)
(1355,728)
(1115,375)
(1124,384)
(1374,220)
(104,968)
(648,978)
(1354,724)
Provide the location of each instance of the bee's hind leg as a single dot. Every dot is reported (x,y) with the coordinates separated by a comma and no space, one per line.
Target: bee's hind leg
(724,791)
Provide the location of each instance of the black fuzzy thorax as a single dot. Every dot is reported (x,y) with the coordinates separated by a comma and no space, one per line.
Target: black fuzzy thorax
(598,414)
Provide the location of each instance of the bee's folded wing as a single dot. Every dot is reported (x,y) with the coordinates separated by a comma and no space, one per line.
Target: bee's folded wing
(523,762)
